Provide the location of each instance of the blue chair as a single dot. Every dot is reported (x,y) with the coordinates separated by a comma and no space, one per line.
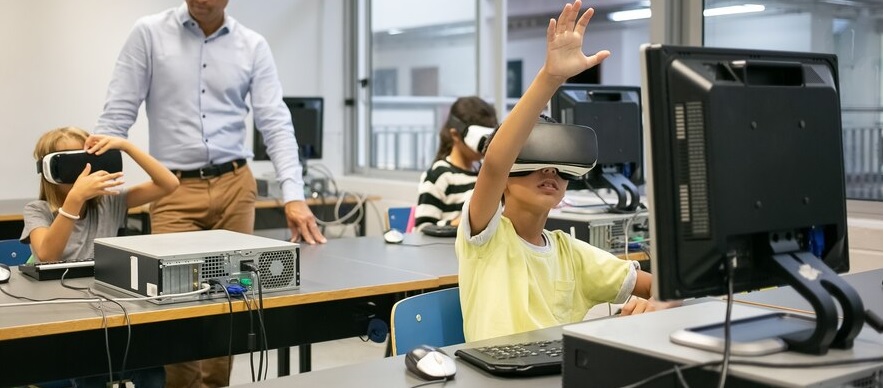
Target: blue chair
(401,219)
(13,252)
(433,318)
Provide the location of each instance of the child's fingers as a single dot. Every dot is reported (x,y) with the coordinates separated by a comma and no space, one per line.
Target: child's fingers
(87,170)
(562,20)
(584,21)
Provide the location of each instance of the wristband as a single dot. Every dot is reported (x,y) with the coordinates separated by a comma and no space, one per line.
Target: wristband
(68,215)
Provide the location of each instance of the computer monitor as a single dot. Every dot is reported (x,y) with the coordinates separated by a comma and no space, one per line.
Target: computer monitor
(745,177)
(614,112)
(307,118)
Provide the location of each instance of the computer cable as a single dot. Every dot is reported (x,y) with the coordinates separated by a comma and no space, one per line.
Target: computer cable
(431,382)
(266,351)
(251,337)
(729,264)
(214,283)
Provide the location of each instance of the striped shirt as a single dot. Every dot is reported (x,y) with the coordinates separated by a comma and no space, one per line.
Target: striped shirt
(442,192)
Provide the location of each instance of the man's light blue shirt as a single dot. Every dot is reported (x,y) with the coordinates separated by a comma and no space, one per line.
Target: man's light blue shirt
(194,89)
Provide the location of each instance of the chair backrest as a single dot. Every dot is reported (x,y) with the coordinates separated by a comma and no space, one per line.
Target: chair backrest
(13,252)
(433,318)
(401,218)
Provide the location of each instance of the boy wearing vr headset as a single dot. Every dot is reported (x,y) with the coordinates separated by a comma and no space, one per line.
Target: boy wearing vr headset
(514,275)
(451,178)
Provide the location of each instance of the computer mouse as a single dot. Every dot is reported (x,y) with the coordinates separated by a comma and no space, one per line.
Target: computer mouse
(394,236)
(5,273)
(430,363)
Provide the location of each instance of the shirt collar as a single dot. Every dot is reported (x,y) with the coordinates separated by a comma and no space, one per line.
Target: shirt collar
(184,19)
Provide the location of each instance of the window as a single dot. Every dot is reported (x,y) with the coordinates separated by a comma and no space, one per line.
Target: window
(421,58)
(851,29)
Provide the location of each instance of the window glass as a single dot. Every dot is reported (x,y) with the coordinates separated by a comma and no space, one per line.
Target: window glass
(420,59)
(851,29)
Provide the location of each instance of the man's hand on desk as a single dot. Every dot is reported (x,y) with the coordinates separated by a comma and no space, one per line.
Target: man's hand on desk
(302,223)
(637,305)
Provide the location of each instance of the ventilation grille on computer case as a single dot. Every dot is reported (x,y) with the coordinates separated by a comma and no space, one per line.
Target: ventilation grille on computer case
(693,188)
(278,270)
(215,267)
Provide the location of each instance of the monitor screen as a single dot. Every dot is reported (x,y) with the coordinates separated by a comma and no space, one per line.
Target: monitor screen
(614,113)
(307,119)
(745,174)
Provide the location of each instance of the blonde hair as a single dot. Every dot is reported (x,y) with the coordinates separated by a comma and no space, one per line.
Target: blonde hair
(47,144)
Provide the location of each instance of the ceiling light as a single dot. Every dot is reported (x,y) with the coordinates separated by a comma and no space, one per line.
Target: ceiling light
(632,14)
(394,31)
(745,8)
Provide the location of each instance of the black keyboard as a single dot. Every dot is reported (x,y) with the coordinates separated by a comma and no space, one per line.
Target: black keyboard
(54,270)
(521,359)
(440,231)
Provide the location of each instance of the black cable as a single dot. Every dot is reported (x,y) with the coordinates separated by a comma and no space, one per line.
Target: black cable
(266,350)
(213,283)
(251,335)
(729,264)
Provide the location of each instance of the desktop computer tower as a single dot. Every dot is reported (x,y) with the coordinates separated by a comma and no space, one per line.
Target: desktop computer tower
(175,263)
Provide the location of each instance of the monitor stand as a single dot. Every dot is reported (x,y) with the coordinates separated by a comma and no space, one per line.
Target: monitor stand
(818,284)
(628,197)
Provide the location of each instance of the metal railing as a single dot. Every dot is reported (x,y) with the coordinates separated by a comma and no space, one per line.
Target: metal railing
(406,139)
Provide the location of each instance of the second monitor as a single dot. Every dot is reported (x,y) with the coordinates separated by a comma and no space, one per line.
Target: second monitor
(307,118)
(614,112)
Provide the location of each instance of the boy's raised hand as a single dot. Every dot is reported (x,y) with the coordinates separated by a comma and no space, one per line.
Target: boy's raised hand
(564,43)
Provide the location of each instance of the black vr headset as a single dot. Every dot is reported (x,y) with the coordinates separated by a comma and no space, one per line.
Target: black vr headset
(66,166)
(571,149)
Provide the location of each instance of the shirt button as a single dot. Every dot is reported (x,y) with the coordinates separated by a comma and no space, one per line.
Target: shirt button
(206,140)
(204,65)
(204,90)
(204,116)
(206,41)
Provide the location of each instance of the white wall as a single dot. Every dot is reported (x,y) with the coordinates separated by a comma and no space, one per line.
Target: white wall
(59,55)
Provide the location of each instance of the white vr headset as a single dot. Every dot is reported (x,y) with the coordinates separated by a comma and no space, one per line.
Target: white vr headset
(66,166)
(571,149)
(476,136)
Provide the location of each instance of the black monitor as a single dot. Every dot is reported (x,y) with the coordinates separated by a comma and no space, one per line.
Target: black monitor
(745,180)
(614,112)
(307,119)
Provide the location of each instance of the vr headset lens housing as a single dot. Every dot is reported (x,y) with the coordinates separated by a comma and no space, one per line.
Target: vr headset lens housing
(476,136)
(66,166)
(571,149)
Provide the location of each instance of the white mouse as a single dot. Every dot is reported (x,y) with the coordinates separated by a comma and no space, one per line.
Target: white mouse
(394,236)
(5,273)
(430,363)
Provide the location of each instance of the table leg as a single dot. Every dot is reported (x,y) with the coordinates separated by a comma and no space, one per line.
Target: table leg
(304,358)
(282,362)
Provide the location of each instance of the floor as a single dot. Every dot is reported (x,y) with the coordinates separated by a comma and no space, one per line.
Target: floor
(325,355)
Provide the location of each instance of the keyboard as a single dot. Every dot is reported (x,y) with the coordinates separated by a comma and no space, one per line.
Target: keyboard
(517,359)
(54,270)
(440,231)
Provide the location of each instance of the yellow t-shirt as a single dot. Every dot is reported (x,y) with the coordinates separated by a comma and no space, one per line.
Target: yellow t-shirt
(508,285)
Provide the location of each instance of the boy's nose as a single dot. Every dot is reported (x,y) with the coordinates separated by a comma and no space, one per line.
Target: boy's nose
(549,170)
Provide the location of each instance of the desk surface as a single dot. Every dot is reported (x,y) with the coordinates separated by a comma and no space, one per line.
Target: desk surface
(868,284)
(329,272)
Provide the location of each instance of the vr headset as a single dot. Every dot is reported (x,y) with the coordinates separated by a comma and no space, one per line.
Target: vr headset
(474,136)
(66,166)
(570,149)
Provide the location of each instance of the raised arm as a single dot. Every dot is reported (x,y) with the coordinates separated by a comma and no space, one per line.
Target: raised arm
(162,181)
(564,58)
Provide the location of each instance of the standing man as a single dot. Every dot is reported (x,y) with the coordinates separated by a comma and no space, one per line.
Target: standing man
(193,67)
